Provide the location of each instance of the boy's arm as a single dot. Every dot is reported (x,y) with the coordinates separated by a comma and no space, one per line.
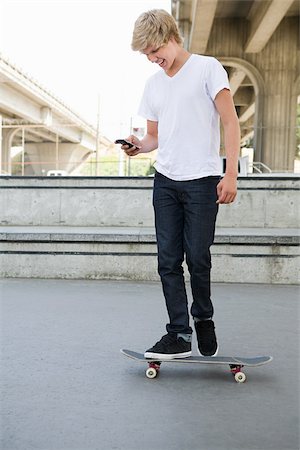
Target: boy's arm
(227,188)
(147,144)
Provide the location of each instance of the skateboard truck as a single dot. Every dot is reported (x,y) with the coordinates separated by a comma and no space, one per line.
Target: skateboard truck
(236,371)
(153,369)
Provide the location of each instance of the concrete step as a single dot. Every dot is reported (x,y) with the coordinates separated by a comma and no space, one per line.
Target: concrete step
(252,255)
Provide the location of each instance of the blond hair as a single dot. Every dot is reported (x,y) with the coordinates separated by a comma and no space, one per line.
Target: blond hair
(154,28)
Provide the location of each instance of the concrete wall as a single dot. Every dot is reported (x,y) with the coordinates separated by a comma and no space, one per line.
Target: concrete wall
(263,202)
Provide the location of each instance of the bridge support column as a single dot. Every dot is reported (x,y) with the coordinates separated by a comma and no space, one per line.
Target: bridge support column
(279,121)
(278,65)
(5,144)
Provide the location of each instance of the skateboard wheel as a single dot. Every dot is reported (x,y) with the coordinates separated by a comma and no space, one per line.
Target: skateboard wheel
(240,377)
(151,372)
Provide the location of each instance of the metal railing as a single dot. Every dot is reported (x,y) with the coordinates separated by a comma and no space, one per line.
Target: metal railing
(107,167)
(260,167)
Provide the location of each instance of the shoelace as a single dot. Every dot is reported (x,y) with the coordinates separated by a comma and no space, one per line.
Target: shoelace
(166,339)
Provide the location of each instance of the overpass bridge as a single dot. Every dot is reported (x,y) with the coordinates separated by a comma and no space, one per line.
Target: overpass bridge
(50,133)
(257,41)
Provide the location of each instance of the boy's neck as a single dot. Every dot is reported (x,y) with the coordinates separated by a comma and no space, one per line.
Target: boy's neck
(181,58)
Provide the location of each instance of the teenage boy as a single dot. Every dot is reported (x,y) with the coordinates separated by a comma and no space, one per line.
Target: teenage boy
(183,103)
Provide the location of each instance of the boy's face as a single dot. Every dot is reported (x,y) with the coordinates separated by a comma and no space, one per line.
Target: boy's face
(164,56)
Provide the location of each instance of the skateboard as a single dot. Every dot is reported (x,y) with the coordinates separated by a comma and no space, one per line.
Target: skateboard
(235,363)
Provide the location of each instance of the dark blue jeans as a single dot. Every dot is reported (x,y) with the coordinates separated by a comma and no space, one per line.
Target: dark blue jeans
(185,217)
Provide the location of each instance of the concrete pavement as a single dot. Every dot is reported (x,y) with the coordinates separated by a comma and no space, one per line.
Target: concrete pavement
(65,385)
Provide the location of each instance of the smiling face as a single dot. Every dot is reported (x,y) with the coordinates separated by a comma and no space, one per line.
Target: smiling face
(164,56)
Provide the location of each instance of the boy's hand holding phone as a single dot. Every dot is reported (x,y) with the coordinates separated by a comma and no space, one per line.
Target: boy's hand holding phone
(131,145)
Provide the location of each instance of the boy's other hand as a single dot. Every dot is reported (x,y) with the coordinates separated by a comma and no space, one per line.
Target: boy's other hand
(227,189)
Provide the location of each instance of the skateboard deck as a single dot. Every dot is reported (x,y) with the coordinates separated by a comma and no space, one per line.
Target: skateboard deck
(235,363)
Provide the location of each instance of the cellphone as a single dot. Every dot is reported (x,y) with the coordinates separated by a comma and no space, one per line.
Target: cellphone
(123,142)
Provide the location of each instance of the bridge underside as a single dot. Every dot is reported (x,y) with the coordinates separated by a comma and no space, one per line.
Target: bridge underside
(45,131)
(257,42)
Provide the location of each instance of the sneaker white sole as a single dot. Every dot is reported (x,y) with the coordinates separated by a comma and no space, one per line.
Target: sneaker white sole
(211,356)
(166,356)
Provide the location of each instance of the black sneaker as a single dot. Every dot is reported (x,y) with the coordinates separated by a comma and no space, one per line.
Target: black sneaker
(207,341)
(169,347)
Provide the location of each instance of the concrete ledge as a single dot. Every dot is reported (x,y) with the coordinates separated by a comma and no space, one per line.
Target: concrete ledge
(243,236)
(262,202)
(238,255)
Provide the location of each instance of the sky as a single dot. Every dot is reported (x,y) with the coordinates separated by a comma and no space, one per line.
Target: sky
(80,51)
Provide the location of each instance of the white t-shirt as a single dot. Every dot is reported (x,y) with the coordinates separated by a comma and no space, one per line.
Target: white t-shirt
(188,122)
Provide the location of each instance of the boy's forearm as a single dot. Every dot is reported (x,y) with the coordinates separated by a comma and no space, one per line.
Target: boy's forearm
(227,187)
(232,147)
(149,143)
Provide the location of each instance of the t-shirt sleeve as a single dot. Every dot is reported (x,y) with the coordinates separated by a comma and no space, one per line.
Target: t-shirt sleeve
(146,108)
(216,78)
